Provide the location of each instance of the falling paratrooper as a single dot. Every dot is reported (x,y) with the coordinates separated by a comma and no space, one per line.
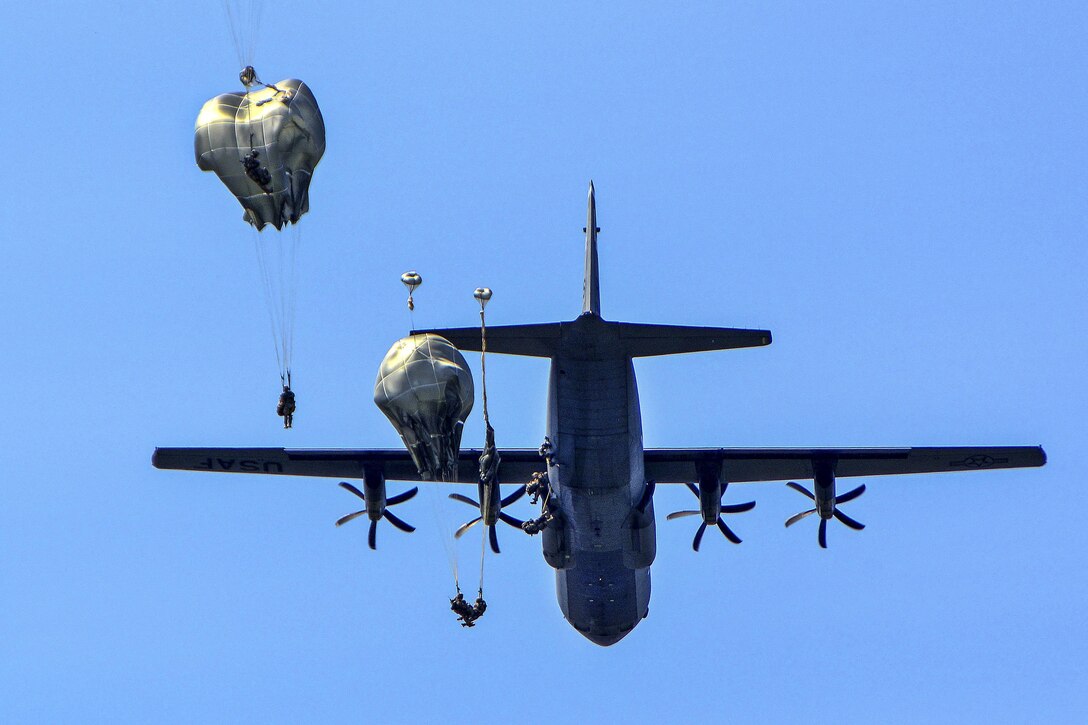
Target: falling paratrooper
(264,143)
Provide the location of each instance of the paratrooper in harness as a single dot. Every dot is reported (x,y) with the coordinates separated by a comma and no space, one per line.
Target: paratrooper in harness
(286,406)
(479,607)
(257,173)
(539,490)
(468,613)
(547,451)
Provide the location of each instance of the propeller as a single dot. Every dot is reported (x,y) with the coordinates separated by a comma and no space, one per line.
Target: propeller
(834,510)
(727,532)
(386,514)
(505,518)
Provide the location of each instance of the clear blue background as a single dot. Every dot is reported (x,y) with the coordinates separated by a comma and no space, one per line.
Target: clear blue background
(897,190)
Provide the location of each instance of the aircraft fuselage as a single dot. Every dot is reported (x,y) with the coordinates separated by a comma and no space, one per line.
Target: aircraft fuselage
(602,546)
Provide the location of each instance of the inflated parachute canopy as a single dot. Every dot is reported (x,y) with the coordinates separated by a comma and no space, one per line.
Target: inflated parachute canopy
(424,387)
(283,124)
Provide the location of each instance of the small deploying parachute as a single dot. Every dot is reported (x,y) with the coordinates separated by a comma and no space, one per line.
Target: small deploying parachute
(425,388)
(263,144)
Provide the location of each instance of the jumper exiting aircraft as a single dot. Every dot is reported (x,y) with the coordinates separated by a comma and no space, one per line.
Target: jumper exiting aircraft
(598,493)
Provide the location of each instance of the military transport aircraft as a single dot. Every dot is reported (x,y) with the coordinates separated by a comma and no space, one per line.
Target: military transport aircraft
(601,537)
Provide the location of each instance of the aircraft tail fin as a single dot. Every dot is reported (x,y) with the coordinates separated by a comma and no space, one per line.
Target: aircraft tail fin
(591,287)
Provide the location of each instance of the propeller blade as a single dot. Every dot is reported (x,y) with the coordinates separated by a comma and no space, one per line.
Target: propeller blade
(680,514)
(647,496)
(494,539)
(514,496)
(738,508)
(398,522)
(464,499)
(802,489)
(516,523)
(465,527)
(402,497)
(728,531)
(850,495)
(698,536)
(372,537)
(693,489)
(344,519)
(823,533)
(848,521)
(794,519)
(348,487)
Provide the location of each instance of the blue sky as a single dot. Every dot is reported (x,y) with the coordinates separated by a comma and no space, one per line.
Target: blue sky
(897,190)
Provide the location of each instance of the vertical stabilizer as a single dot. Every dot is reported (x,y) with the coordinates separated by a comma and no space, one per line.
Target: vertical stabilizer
(591,287)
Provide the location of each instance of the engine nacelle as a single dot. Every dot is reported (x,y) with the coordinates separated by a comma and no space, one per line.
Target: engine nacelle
(556,543)
(641,548)
(823,479)
(374,490)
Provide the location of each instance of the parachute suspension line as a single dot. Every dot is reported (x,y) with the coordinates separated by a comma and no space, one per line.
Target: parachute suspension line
(292,310)
(483,533)
(284,248)
(441,518)
(277,259)
(267,293)
(234,33)
(449,539)
(255,21)
(482,295)
(244,23)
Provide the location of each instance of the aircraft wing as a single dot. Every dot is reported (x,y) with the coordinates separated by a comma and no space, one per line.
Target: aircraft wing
(742,465)
(664,465)
(518,464)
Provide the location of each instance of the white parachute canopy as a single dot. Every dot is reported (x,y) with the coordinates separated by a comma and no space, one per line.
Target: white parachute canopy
(425,388)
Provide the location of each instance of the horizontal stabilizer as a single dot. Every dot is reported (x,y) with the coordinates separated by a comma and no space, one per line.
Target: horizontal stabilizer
(649,340)
(638,340)
(531,340)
